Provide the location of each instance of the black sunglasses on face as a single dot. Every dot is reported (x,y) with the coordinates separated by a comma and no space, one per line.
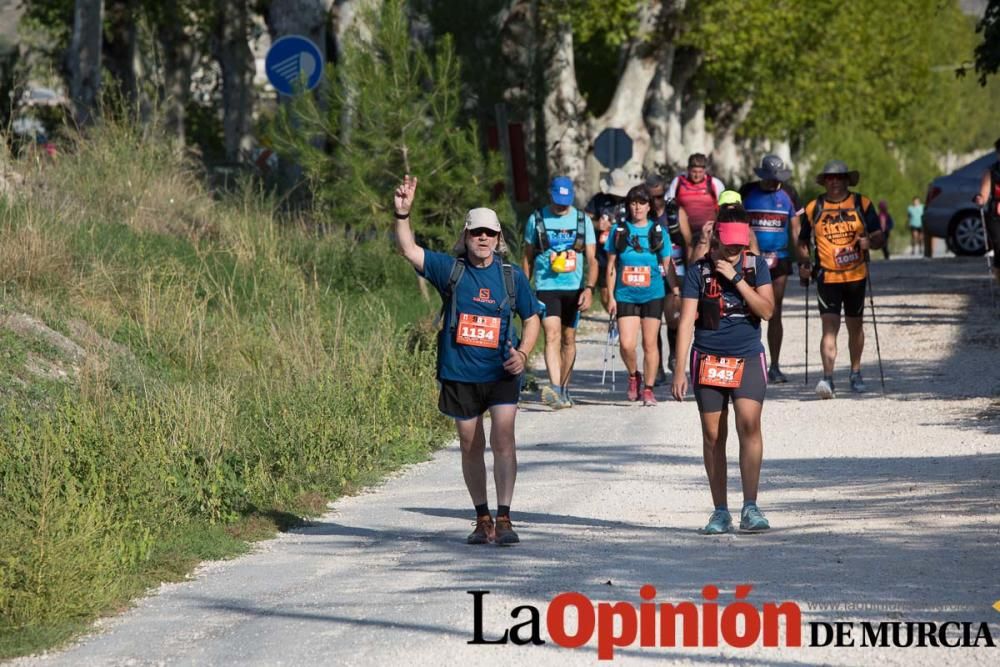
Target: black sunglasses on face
(479,231)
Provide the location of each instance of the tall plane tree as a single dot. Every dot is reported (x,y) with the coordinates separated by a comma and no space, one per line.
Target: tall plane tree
(84,59)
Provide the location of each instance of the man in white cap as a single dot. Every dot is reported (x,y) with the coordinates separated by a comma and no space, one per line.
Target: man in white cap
(844,225)
(480,359)
(772,214)
(559,245)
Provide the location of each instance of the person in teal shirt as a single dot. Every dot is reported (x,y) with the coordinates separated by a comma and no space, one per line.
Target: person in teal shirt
(639,256)
(915,214)
(559,242)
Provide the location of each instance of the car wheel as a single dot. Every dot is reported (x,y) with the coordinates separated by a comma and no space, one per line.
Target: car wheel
(965,234)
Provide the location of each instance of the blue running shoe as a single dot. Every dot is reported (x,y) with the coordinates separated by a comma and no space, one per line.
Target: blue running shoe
(720,522)
(752,520)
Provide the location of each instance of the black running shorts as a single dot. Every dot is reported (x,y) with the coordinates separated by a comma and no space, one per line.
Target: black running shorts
(468,400)
(716,399)
(653,309)
(563,304)
(782,268)
(832,296)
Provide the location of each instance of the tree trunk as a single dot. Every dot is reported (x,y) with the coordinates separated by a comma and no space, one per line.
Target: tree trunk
(119,47)
(570,131)
(177,60)
(237,63)
(521,66)
(84,59)
(307,18)
(567,130)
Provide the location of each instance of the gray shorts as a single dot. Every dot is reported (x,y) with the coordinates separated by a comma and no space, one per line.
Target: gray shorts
(715,399)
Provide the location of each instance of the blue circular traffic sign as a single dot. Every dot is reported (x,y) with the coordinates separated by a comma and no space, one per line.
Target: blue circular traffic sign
(293,61)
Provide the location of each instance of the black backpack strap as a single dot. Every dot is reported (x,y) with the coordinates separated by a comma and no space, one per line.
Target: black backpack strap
(621,237)
(750,272)
(580,243)
(655,238)
(541,240)
(510,300)
(457,271)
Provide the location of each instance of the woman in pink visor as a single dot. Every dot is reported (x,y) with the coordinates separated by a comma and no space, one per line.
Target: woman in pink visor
(725,296)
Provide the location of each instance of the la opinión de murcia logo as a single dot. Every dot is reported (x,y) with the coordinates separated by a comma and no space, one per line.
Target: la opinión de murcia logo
(572,620)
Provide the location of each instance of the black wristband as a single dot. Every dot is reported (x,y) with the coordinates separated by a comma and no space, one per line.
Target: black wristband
(400,216)
(590,287)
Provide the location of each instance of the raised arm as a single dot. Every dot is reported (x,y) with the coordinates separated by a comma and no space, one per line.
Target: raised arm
(402,202)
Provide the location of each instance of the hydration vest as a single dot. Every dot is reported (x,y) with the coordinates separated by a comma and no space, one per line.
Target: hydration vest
(541,240)
(623,239)
(712,305)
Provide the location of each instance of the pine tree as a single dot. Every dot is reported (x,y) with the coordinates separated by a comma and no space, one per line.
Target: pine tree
(389,109)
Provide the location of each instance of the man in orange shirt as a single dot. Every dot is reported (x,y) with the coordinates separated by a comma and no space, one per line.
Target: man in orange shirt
(844,225)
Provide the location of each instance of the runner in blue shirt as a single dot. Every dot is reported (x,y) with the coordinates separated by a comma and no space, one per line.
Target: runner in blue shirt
(558,240)
(480,359)
(726,294)
(638,259)
(773,216)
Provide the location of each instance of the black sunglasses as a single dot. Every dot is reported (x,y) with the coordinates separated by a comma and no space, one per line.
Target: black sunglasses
(479,231)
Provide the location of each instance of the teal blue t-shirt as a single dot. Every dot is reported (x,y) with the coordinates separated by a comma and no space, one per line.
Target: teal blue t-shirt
(915,213)
(638,277)
(561,231)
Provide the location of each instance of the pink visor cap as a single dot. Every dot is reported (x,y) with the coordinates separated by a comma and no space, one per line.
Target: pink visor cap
(733,233)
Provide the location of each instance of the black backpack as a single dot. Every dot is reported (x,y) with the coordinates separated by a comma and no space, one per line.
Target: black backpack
(541,240)
(448,301)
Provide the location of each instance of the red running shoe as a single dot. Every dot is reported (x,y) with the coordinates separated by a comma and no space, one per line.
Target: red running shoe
(647,397)
(633,386)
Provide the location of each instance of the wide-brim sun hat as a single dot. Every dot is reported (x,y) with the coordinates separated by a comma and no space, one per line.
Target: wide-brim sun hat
(838,168)
(772,168)
(479,218)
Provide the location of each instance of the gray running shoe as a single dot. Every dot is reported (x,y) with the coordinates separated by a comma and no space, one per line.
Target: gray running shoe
(720,522)
(775,376)
(752,520)
(824,389)
(566,399)
(552,398)
(857,384)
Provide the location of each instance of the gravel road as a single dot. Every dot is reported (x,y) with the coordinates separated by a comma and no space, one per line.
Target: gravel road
(883,509)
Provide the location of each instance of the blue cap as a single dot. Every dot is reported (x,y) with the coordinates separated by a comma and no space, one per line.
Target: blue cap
(561,191)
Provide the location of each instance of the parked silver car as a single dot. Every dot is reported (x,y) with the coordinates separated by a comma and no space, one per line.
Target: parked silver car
(949,211)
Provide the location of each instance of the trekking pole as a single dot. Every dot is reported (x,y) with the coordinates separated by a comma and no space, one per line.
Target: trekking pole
(989,257)
(871,302)
(807,332)
(607,344)
(614,329)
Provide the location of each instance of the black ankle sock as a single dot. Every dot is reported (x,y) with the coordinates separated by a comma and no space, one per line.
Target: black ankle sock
(482,510)
(503,510)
